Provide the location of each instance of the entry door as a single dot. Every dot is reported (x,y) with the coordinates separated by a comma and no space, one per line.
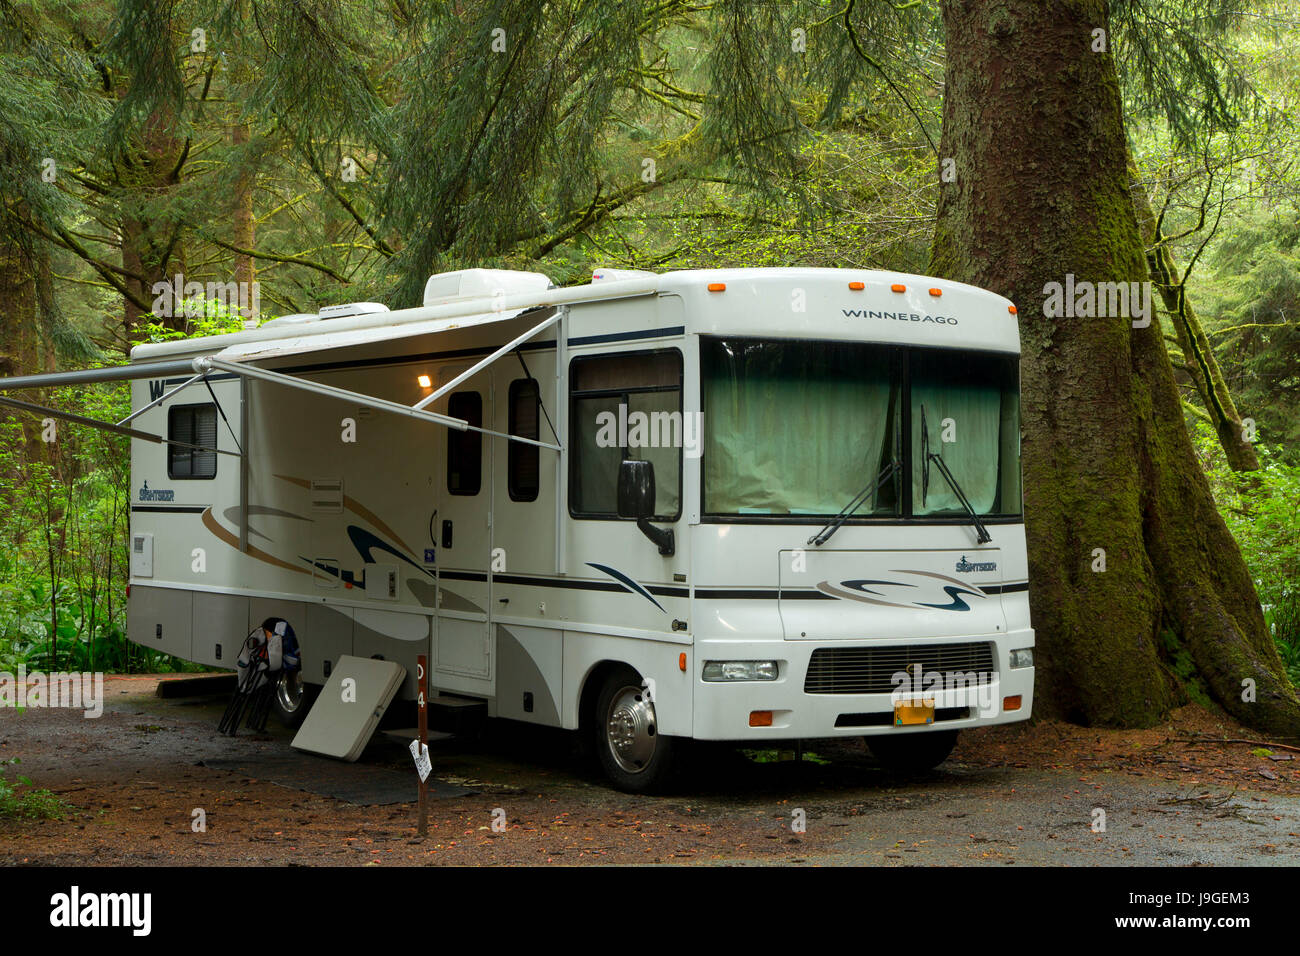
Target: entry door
(463,659)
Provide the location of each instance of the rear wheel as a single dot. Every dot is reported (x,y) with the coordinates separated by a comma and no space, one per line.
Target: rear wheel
(292,698)
(634,755)
(912,753)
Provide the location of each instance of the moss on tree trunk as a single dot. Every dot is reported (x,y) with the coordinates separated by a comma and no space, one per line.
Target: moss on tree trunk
(1032,119)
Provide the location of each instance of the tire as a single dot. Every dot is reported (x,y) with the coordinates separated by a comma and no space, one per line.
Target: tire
(634,755)
(292,698)
(912,753)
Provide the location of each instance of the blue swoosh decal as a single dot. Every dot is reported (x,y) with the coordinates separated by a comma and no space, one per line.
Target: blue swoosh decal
(365,542)
(860,585)
(957,603)
(628,583)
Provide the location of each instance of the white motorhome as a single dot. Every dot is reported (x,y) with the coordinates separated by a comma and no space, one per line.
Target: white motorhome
(746,505)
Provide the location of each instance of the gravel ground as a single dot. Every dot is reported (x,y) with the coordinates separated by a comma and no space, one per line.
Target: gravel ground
(1027,794)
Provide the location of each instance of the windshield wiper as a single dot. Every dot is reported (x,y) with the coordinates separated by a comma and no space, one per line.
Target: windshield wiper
(982,535)
(821,537)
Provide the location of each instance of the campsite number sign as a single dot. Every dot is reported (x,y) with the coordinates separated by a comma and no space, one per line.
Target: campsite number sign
(420,746)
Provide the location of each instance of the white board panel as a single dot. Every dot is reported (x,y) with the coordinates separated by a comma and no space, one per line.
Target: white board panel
(349,707)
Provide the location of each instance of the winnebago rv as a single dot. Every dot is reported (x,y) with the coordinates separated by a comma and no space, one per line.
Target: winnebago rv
(746,505)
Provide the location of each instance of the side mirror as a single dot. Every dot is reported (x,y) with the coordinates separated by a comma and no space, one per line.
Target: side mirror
(636,499)
(636,489)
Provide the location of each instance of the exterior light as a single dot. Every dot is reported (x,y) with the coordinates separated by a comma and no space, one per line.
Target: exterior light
(739,670)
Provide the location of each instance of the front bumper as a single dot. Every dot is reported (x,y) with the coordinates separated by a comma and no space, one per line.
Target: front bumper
(722,709)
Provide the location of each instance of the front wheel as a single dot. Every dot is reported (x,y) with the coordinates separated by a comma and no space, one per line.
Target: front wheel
(634,755)
(912,753)
(292,698)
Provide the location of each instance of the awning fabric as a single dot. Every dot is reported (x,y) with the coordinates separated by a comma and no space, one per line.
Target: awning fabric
(299,344)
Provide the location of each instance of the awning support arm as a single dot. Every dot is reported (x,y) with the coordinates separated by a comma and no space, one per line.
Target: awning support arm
(109,426)
(474,369)
(540,404)
(162,398)
(207,364)
(222,411)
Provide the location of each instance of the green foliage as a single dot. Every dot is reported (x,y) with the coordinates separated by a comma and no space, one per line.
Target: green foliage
(1256,295)
(19,799)
(63,542)
(1262,509)
(201,317)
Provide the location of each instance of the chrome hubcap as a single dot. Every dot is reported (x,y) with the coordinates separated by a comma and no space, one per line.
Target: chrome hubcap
(289,691)
(630,729)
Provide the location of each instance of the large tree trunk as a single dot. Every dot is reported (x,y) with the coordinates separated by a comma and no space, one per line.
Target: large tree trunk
(1033,121)
(245,234)
(245,225)
(1199,361)
(19,340)
(24,350)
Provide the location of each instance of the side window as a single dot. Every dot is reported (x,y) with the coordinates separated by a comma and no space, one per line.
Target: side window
(627,405)
(194,425)
(465,448)
(523,471)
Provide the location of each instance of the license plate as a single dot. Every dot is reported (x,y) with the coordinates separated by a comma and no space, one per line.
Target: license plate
(910,712)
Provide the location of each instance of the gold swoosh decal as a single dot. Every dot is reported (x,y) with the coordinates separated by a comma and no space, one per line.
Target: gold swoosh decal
(210,522)
(356,508)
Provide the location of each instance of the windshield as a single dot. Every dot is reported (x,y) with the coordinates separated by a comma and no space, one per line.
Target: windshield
(794,428)
(972,417)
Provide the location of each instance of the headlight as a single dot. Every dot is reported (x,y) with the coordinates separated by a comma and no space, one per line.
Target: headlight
(1024,657)
(739,670)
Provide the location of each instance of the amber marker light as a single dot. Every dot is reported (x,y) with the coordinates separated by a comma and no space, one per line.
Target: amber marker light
(681,662)
(1011,703)
(425,381)
(936,292)
(717,287)
(857,286)
(760,718)
(898,288)
(1011,309)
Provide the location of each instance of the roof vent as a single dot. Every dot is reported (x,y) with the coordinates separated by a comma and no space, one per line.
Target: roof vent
(351,308)
(298,318)
(449,287)
(616,275)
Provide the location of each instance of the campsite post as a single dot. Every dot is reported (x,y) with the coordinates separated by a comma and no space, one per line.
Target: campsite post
(422,696)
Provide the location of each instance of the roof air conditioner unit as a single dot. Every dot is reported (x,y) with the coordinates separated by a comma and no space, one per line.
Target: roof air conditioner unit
(449,287)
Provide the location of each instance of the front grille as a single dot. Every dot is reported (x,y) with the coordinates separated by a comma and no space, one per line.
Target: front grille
(870,670)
